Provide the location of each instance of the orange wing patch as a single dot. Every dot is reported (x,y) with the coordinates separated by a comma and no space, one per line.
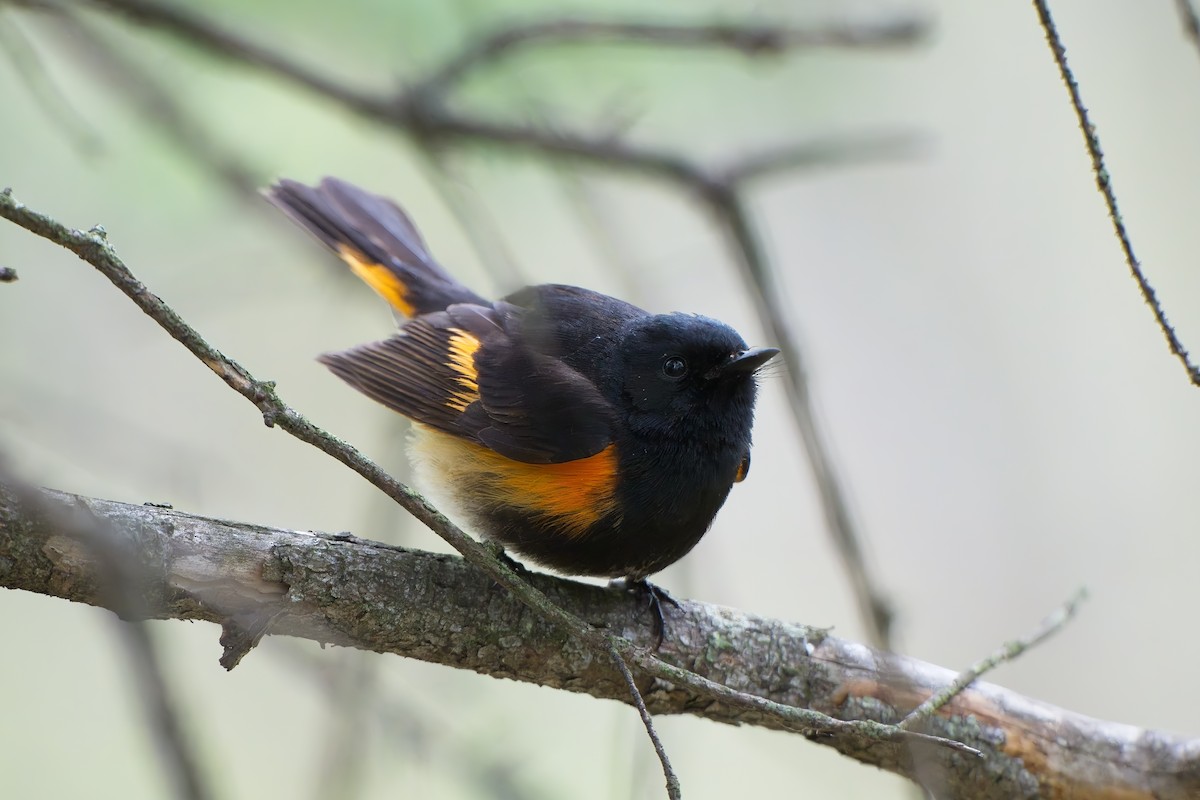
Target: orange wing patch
(575,494)
(385,282)
(462,360)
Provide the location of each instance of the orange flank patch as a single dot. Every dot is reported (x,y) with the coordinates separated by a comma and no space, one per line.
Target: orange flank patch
(378,277)
(462,360)
(742,471)
(576,494)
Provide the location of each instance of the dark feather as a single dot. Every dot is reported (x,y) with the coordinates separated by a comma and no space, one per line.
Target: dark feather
(538,409)
(383,223)
(526,406)
(348,219)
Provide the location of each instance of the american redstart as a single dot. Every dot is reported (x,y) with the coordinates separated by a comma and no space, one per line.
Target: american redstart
(575,429)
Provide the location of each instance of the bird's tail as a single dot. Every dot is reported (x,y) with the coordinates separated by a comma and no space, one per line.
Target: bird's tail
(376,239)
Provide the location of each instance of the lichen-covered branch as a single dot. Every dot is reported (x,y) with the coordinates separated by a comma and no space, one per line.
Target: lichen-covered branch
(348,591)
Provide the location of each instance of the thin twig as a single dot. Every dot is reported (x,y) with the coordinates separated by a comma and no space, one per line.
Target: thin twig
(1007,652)
(1104,184)
(674,791)
(93,247)
(120,585)
(748,39)
(820,153)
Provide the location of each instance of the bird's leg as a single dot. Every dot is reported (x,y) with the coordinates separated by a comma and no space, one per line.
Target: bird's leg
(497,550)
(656,598)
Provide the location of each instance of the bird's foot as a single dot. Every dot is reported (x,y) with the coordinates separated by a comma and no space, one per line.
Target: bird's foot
(497,550)
(656,598)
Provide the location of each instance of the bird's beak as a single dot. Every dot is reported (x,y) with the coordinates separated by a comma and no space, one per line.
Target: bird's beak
(749,360)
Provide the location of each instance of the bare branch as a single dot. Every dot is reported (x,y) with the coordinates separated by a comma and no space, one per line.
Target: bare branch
(242,632)
(820,153)
(748,39)
(198,31)
(674,791)
(351,592)
(423,113)
(1007,652)
(1104,184)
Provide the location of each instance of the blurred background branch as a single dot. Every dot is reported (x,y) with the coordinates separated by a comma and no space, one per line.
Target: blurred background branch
(1190,21)
(748,38)
(114,577)
(15,45)
(154,101)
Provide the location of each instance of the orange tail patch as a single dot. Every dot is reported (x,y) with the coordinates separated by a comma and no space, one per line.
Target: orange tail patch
(384,281)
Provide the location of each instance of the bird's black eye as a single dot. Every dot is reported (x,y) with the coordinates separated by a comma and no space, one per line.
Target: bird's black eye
(674,367)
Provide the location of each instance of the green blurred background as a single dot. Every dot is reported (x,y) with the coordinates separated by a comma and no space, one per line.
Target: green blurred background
(1003,410)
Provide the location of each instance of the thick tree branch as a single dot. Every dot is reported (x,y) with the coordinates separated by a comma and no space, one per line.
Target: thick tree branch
(347,591)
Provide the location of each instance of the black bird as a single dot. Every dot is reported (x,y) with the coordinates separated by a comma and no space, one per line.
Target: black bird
(575,429)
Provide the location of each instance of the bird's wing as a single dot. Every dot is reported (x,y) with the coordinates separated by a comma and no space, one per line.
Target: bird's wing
(464,372)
